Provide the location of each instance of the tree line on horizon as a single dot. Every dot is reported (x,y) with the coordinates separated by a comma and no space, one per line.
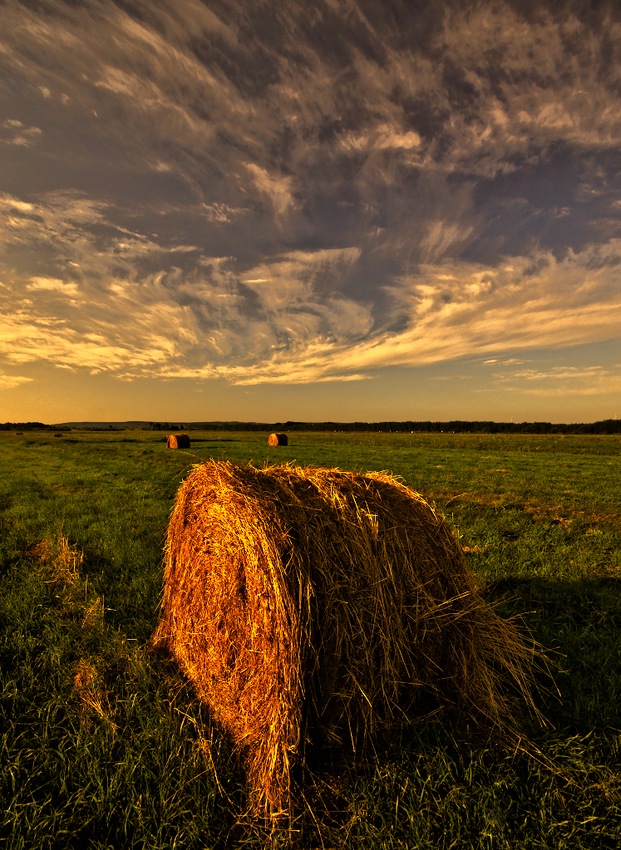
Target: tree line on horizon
(457,426)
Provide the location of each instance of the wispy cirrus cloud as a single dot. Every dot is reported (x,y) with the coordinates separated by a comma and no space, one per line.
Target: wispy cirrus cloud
(11,382)
(106,313)
(287,318)
(13,132)
(563,381)
(306,193)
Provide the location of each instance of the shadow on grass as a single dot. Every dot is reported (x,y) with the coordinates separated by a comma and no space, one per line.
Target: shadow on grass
(578,623)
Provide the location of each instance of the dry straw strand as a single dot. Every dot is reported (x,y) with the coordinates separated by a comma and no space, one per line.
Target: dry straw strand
(94,615)
(316,608)
(91,692)
(61,561)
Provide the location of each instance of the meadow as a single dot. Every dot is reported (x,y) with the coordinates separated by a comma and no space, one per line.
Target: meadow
(103,744)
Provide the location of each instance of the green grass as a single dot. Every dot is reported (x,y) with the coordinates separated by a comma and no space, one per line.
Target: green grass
(102,744)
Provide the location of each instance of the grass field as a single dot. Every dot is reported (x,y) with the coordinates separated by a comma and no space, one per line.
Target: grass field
(103,745)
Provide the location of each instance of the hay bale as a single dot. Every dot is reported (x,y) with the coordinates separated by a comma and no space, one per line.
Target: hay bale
(278,440)
(314,608)
(177,441)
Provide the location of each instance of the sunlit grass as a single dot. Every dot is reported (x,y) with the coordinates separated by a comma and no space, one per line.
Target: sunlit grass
(102,743)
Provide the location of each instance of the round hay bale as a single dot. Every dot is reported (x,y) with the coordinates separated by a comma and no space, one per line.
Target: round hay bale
(177,441)
(278,440)
(314,608)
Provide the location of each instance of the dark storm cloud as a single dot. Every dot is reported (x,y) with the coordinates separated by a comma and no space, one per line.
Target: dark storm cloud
(301,191)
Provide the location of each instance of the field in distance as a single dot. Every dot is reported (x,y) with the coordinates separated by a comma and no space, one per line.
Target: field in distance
(104,745)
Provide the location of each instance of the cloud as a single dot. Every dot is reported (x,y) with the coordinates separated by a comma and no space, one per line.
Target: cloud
(287,318)
(508,361)
(441,236)
(52,284)
(468,311)
(516,106)
(383,137)
(13,132)
(30,335)
(73,237)
(276,188)
(212,319)
(564,381)
(208,99)
(456,310)
(11,382)
(307,192)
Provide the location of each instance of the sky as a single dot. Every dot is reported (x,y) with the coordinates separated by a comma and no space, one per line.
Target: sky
(337,210)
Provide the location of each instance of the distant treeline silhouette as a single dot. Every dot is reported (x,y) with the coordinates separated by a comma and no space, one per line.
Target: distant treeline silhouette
(457,426)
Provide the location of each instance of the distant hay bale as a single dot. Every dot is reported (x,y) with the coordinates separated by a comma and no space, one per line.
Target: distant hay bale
(177,441)
(315,608)
(278,440)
